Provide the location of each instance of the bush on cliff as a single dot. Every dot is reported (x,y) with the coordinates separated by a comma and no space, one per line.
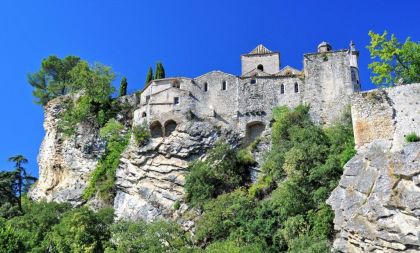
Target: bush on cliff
(102,179)
(221,172)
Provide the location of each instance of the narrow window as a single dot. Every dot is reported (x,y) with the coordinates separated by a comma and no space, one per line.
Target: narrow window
(296,87)
(224,85)
(176,100)
(206,87)
(147,98)
(282,89)
(253,81)
(143,115)
(260,67)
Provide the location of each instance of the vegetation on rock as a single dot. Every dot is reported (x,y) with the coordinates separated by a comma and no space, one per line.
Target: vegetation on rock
(412,137)
(123,86)
(102,180)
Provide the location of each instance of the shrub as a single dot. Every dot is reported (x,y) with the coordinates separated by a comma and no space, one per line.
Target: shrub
(141,134)
(221,172)
(412,137)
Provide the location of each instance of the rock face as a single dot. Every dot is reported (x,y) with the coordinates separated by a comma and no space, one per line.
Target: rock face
(150,179)
(65,163)
(377,202)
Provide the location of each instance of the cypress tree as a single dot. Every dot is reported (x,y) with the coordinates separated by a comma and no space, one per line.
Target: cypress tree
(123,86)
(160,71)
(149,76)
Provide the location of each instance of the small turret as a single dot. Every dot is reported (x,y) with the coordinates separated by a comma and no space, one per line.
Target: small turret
(354,66)
(324,47)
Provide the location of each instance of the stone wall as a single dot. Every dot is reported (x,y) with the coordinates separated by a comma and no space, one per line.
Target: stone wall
(388,114)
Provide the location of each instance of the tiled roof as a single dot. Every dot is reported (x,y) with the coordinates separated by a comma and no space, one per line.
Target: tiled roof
(260,49)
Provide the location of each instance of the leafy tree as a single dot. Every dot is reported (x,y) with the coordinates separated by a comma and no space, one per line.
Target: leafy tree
(139,236)
(53,78)
(395,62)
(160,71)
(149,76)
(123,86)
(80,230)
(221,172)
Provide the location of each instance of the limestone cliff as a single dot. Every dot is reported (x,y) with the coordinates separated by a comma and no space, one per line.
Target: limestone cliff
(377,202)
(65,163)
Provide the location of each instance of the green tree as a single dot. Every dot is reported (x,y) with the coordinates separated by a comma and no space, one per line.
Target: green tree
(53,78)
(395,62)
(160,71)
(123,86)
(22,180)
(80,230)
(149,76)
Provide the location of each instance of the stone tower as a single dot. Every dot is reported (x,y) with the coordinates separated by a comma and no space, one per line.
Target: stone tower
(328,81)
(260,60)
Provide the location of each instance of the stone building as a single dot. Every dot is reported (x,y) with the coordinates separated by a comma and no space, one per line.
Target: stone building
(244,103)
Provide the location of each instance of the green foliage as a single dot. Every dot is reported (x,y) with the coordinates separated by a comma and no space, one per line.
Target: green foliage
(158,236)
(123,86)
(149,76)
(412,137)
(221,172)
(177,205)
(396,62)
(94,103)
(80,230)
(141,134)
(233,247)
(102,179)
(26,233)
(160,71)
(305,163)
(53,79)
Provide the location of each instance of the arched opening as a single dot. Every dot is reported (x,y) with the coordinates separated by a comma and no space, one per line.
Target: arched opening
(206,87)
(253,130)
(224,85)
(260,67)
(156,129)
(282,89)
(296,87)
(170,126)
(144,114)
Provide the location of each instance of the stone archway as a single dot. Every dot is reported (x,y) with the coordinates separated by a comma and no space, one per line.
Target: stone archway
(253,130)
(170,126)
(156,129)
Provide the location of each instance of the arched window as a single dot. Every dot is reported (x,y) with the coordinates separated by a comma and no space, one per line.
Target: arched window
(260,67)
(296,87)
(282,89)
(143,115)
(224,85)
(206,87)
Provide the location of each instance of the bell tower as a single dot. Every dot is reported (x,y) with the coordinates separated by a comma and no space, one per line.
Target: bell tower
(261,61)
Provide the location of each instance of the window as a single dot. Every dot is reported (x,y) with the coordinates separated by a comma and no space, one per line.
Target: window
(176,100)
(147,98)
(260,67)
(224,85)
(143,115)
(282,89)
(206,87)
(296,87)
(253,81)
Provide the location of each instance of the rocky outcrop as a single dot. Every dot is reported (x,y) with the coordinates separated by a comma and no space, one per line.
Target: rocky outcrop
(150,179)
(65,163)
(377,202)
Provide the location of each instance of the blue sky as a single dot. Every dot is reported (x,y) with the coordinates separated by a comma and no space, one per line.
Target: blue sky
(190,37)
